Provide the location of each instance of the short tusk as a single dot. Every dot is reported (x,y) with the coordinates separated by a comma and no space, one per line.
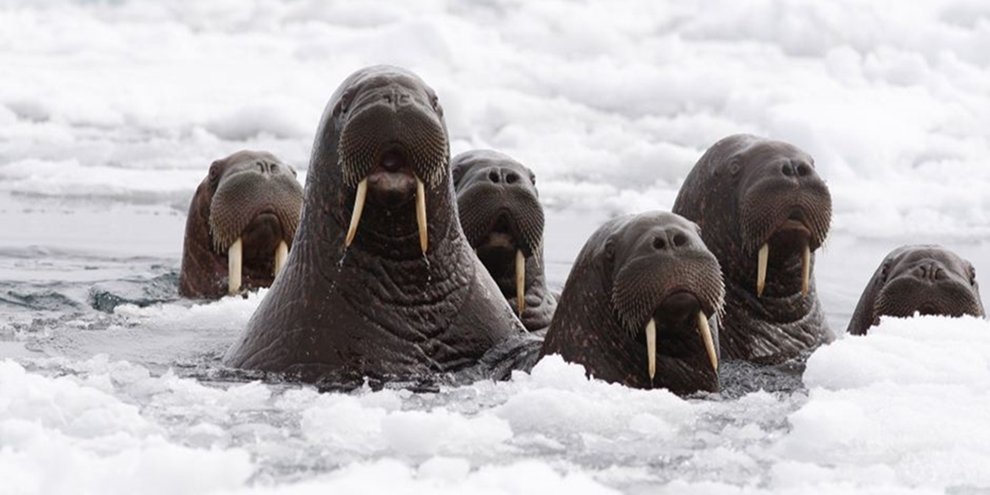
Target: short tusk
(651,347)
(424,237)
(806,271)
(706,337)
(281,253)
(520,281)
(235,259)
(362,194)
(761,268)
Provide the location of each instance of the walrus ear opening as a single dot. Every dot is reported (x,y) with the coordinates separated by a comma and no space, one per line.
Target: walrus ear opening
(216,169)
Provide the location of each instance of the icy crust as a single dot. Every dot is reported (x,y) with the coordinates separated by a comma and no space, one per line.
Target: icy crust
(901,410)
(611,106)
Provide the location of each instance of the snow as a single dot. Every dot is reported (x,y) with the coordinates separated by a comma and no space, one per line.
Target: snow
(111,111)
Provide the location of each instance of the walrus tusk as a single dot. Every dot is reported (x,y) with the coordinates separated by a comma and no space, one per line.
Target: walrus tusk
(651,347)
(362,194)
(281,253)
(235,258)
(706,336)
(805,270)
(424,237)
(520,281)
(761,268)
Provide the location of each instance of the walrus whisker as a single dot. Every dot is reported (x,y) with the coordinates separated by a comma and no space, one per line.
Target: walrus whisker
(805,270)
(761,268)
(235,259)
(362,194)
(651,347)
(424,237)
(281,253)
(706,336)
(520,281)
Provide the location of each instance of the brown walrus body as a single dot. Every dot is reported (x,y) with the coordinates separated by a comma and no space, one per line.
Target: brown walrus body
(923,279)
(381,281)
(243,214)
(758,203)
(502,219)
(640,306)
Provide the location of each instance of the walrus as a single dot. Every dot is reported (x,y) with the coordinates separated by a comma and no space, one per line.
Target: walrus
(640,306)
(240,226)
(923,279)
(381,281)
(763,212)
(502,218)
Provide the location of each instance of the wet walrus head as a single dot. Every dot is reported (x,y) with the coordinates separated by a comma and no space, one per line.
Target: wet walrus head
(502,218)
(381,281)
(763,211)
(640,306)
(240,225)
(928,280)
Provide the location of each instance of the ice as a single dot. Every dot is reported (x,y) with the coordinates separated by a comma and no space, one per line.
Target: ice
(112,111)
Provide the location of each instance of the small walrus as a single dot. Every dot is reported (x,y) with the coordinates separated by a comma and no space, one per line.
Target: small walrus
(502,218)
(923,279)
(381,282)
(240,226)
(763,211)
(640,306)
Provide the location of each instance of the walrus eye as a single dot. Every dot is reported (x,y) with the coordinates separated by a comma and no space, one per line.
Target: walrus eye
(435,102)
(532,178)
(214,174)
(883,272)
(972,276)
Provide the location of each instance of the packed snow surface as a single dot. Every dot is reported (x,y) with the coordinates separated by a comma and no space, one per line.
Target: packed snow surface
(111,112)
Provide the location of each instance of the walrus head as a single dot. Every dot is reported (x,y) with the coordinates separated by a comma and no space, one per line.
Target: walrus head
(763,211)
(923,279)
(240,227)
(502,218)
(641,306)
(392,151)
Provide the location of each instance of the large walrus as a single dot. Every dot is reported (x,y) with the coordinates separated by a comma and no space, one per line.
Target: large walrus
(381,281)
(763,212)
(502,218)
(925,279)
(640,306)
(240,225)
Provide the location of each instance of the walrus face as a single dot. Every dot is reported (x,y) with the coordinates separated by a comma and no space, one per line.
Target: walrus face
(501,216)
(392,148)
(784,210)
(928,280)
(244,215)
(665,286)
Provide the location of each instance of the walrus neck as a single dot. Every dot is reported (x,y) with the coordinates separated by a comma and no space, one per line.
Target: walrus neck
(540,304)
(771,330)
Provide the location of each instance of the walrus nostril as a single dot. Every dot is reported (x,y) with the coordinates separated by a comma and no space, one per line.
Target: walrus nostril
(680,239)
(511,177)
(659,243)
(493,176)
(787,169)
(803,169)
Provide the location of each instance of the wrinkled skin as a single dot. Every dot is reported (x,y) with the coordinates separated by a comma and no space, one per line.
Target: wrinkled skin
(501,214)
(745,192)
(251,195)
(927,279)
(379,308)
(631,269)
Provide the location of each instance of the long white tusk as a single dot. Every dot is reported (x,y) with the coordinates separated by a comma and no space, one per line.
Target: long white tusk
(806,270)
(235,259)
(362,194)
(520,281)
(651,347)
(424,237)
(281,253)
(761,268)
(706,337)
